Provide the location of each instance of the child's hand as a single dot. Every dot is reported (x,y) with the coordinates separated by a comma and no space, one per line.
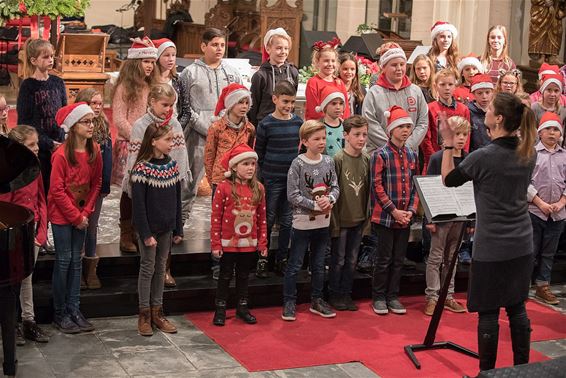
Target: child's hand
(546,208)
(324,203)
(431,227)
(36,242)
(399,217)
(217,253)
(150,242)
(83,224)
(177,239)
(445,129)
(263,253)
(557,206)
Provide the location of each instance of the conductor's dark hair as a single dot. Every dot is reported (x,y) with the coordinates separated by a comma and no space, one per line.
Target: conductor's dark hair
(284,88)
(211,33)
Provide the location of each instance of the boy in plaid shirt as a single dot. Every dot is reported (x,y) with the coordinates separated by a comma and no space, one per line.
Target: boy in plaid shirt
(394,204)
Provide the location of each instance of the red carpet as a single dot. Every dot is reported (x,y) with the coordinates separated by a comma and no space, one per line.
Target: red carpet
(376,341)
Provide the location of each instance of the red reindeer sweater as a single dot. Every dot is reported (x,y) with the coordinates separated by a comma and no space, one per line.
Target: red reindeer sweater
(237,226)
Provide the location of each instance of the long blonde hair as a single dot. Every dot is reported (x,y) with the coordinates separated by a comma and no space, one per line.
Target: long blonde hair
(431,79)
(160,91)
(486,56)
(355,87)
(134,80)
(101,124)
(21,132)
(34,48)
(451,55)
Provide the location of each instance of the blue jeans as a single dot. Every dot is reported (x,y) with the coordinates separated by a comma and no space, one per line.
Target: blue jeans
(69,242)
(92,230)
(546,235)
(318,240)
(278,208)
(343,260)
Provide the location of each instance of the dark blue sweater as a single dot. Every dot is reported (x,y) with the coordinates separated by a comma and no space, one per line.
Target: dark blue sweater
(277,145)
(479,137)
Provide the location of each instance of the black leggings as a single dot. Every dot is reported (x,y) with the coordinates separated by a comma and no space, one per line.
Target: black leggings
(242,261)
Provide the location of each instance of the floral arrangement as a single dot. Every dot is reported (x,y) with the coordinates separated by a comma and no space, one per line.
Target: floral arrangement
(10,9)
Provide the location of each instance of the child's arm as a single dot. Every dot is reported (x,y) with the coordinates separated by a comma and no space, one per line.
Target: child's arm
(210,152)
(312,101)
(216,217)
(183,108)
(414,201)
(196,122)
(468,118)
(41,236)
(58,192)
(381,197)
(120,114)
(178,231)
(261,224)
(422,124)
(257,90)
(25,108)
(260,143)
(427,144)
(294,195)
(372,111)
(139,211)
(334,192)
(95,184)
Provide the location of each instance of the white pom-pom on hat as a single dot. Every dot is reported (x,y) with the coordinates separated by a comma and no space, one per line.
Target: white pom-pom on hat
(318,109)
(387,114)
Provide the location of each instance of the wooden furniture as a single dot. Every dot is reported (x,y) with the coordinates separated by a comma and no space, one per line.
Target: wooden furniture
(80,61)
(283,15)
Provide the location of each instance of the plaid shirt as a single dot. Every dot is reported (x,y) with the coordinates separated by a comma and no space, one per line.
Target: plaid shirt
(392,172)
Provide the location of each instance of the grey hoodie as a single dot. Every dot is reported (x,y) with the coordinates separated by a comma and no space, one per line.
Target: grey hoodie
(203,86)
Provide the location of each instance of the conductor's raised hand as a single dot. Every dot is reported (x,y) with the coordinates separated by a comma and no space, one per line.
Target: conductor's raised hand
(446,130)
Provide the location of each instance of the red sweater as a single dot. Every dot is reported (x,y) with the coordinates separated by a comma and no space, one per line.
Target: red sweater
(315,85)
(463,94)
(430,143)
(74,189)
(32,197)
(237,227)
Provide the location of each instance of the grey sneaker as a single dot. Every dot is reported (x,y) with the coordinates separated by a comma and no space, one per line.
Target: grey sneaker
(380,307)
(396,307)
(289,310)
(320,307)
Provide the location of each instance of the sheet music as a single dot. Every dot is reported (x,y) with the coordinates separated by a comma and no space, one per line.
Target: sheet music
(439,198)
(465,197)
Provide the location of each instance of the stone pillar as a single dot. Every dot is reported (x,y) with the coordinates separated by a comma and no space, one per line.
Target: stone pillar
(349,14)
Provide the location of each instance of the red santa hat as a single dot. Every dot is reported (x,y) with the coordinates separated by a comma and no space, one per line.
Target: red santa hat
(270,34)
(470,60)
(442,26)
(396,116)
(163,44)
(69,115)
(550,119)
(553,78)
(328,94)
(142,49)
(547,69)
(230,96)
(236,155)
(481,81)
(390,54)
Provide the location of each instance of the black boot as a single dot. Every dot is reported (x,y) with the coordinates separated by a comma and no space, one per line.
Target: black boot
(521,342)
(243,312)
(488,338)
(220,314)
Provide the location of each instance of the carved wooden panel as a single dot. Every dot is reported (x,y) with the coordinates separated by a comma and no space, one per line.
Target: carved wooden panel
(281,14)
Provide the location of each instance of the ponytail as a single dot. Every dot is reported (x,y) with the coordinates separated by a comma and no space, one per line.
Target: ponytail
(527,129)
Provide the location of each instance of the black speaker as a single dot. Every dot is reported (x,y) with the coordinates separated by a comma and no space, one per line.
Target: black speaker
(365,45)
(308,38)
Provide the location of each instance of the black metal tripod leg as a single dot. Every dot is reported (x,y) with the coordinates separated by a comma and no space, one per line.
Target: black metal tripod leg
(411,354)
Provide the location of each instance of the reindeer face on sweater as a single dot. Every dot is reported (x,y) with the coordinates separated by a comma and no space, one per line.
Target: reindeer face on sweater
(80,194)
(244,221)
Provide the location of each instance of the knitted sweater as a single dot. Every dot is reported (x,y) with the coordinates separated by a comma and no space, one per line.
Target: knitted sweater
(380,98)
(222,136)
(237,226)
(32,197)
(307,181)
(203,86)
(313,93)
(277,144)
(74,189)
(178,152)
(156,197)
(125,114)
(263,82)
(38,103)
(478,134)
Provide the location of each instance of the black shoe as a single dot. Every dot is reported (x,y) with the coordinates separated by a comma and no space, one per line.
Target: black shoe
(349,303)
(34,333)
(281,267)
(409,264)
(66,325)
(261,270)
(289,311)
(337,301)
(20,340)
(83,324)
(243,312)
(320,307)
(220,314)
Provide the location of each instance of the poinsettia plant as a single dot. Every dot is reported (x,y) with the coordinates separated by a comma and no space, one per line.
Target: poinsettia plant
(10,9)
(366,68)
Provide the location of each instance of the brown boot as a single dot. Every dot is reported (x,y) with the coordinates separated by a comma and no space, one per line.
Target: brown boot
(544,294)
(144,322)
(89,272)
(161,321)
(127,244)
(169,280)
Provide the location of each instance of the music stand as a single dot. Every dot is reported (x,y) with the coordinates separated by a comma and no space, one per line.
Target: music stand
(429,343)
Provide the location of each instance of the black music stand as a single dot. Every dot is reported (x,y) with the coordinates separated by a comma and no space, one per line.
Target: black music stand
(428,343)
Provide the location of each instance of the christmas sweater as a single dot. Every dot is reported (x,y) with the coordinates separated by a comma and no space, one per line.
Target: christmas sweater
(156,197)
(237,225)
(307,181)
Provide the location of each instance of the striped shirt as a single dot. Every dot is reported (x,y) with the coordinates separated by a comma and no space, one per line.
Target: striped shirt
(277,144)
(392,172)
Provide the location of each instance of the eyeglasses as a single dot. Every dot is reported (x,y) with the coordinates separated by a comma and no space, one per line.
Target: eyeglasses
(86,122)
(509,83)
(5,109)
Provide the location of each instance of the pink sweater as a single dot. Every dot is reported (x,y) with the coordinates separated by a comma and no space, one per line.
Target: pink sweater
(125,114)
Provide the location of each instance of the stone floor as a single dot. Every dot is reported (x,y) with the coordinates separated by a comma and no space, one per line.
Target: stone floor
(115,350)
